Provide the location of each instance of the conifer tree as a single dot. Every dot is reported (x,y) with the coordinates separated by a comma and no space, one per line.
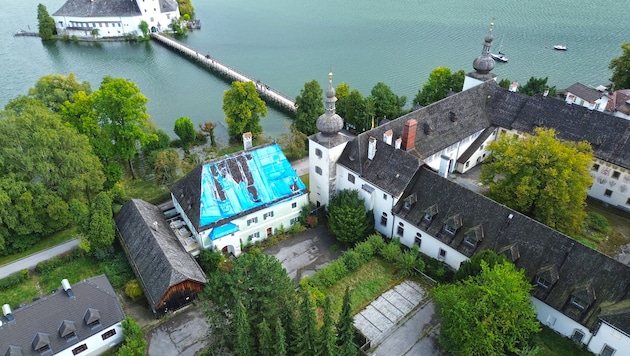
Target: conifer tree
(308,326)
(291,330)
(345,328)
(326,336)
(280,341)
(265,341)
(244,345)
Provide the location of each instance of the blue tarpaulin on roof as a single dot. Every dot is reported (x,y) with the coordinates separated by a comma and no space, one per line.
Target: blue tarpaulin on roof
(244,181)
(224,230)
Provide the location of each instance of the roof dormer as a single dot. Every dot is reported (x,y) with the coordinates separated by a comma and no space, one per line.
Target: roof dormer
(41,344)
(429,214)
(582,297)
(452,224)
(92,318)
(473,236)
(409,201)
(68,330)
(547,276)
(511,252)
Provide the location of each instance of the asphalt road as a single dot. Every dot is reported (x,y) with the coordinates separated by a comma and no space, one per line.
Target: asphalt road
(32,260)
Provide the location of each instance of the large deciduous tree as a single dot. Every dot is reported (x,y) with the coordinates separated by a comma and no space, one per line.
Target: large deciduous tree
(542,177)
(620,67)
(122,114)
(490,314)
(387,105)
(243,108)
(537,86)
(441,81)
(46,24)
(348,219)
(55,89)
(310,106)
(356,110)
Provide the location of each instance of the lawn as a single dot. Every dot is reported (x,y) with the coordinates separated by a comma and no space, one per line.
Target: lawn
(554,344)
(146,190)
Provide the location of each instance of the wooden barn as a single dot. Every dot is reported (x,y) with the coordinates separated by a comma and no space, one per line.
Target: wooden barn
(168,275)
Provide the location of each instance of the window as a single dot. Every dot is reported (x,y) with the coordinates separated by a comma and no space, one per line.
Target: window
(607,351)
(467,164)
(351,178)
(577,336)
(578,303)
(318,152)
(608,193)
(384,219)
(595,167)
(71,336)
(77,350)
(46,350)
(470,242)
(401,229)
(294,220)
(481,148)
(253,220)
(318,170)
(427,217)
(542,282)
(442,255)
(253,236)
(448,228)
(418,239)
(293,205)
(268,215)
(108,334)
(616,175)
(384,196)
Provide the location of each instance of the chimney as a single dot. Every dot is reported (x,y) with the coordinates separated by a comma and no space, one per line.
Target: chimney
(398,143)
(387,137)
(546,92)
(155,226)
(453,117)
(371,148)
(514,86)
(409,134)
(66,286)
(247,140)
(6,310)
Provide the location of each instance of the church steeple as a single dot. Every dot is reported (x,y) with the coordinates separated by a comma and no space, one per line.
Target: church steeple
(329,123)
(483,64)
(331,96)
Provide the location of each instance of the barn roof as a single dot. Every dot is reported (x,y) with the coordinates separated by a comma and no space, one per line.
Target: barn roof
(157,258)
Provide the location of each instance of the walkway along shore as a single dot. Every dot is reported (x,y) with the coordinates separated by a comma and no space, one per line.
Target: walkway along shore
(263,90)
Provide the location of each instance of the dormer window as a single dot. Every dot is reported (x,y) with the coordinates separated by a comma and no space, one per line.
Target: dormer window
(474,236)
(547,276)
(582,297)
(92,318)
(410,201)
(452,224)
(543,282)
(67,330)
(429,214)
(41,344)
(578,303)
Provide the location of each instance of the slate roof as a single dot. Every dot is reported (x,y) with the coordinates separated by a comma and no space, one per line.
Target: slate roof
(583,92)
(390,169)
(158,260)
(51,313)
(168,6)
(476,144)
(236,185)
(619,101)
(536,247)
(99,8)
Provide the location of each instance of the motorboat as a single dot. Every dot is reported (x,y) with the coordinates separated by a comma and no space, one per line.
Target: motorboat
(500,57)
(560,47)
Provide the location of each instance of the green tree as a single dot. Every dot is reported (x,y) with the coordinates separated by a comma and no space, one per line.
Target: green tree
(265,339)
(345,329)
(167,166)
(356,112)
(55,89)
(144,28)
(490,314)
(163,142)
(348,219)
(387,104)
(45,23)
(185,129)
(177,27)
(122,114)
(441,81)
(308,326)
(341,91)
(134,343)
(620,67)
(280,342)
(291,329)
(537,86)
(472,267)
(310,106)
(293,143)
(186,8)
(100,233)
(326,340)
(244,345)
(243,108)
(542,177)
(505,83)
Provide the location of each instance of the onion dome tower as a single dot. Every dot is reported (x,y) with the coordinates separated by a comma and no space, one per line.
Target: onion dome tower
(483,65)
(329,123)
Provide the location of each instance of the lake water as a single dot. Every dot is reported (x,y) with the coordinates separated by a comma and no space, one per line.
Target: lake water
(286,43)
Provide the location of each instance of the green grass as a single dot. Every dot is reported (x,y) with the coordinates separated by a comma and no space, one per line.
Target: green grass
(305,180)
(50,241)
(553,344)
(149,191)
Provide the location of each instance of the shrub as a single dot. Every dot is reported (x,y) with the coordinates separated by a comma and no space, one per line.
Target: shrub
(365,250)
(391,251)
(13,280)
(209,260)
(407,262)
(133,290)
(311,221)
(598,222)
(297,228)
(377,242)
(331,274)
(353,260)
(438,270)
(317,296)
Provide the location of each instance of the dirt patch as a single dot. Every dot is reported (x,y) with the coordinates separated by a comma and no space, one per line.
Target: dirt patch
(617,244)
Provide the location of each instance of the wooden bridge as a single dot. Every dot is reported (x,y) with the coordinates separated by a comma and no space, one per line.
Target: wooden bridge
(263,90)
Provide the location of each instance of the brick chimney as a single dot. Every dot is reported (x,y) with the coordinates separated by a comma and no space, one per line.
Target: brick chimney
(387,137)
(409,134)
(247,140)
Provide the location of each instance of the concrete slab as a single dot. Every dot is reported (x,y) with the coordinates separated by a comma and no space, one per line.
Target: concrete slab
(377,318)
(369,330)
(388,309)
(399,301)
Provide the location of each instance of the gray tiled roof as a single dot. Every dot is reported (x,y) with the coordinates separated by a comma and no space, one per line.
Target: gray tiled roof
(168,5)
(47,315)
(476,144)
(578,267)
(157,258)
(582,91)
(99,8)
(390,169)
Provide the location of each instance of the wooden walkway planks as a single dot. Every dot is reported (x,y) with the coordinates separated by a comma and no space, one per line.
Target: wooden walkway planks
(263,90)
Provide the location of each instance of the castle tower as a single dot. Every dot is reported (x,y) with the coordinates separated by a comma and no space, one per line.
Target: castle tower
(483,65)
(324,149)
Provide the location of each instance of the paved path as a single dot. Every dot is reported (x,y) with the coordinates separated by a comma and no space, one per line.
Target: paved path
(300,166)
(31,261)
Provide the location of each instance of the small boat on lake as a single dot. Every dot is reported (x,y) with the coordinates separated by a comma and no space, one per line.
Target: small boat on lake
(560,47)
(500,57)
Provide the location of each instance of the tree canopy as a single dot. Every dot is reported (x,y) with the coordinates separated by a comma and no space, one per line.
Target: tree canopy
(441,81)
(490,314)
(310,106)
(542,177)
(356,110)
(387,105)
(55,89)
(537,86)
(45,23)
(620,67)
(243,108)
(348,219)
(185,129)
